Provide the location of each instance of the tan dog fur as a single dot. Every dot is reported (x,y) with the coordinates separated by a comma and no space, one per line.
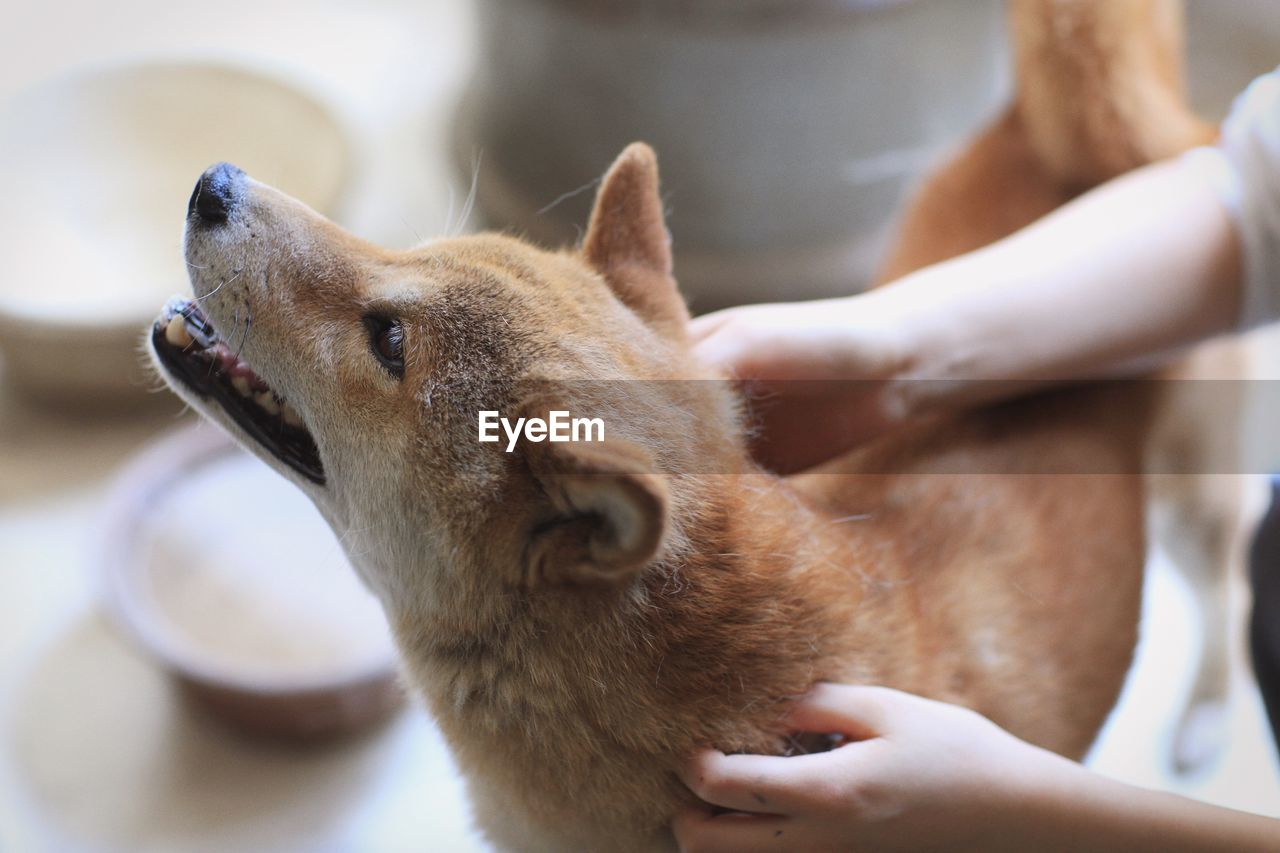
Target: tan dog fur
(580,618)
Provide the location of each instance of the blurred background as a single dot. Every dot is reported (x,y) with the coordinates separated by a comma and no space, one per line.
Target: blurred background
(162,687)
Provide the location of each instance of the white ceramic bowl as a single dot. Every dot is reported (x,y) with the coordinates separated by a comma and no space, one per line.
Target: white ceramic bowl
(227,576)
(98,168)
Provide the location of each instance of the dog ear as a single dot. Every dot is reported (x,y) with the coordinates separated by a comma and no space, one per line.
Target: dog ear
(627,240)
(610,513)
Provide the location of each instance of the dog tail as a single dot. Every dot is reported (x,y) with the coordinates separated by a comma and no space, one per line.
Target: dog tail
(1100,85)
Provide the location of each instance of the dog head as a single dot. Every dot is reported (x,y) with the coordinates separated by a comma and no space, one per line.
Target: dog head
(360,373)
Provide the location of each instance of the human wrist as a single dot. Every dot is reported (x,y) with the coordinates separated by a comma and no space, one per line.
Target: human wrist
(955,343)
(900,319)
(1063,800)
(1039,798)
(871,354)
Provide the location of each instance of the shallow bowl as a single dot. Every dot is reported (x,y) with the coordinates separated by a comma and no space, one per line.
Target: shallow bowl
(228,577)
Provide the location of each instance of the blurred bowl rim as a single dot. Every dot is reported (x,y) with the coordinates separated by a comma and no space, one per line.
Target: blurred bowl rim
(265,73)
(156,468)
(735,11)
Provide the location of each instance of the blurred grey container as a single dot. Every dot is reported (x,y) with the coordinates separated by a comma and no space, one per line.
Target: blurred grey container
(787,130)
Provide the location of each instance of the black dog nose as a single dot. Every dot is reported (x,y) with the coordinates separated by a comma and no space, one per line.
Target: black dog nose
(216,193)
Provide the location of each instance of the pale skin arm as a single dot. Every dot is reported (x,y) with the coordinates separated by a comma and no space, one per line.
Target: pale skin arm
(921,775)
(1119,278)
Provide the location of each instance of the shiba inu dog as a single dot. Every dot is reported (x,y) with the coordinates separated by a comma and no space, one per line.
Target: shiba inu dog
(580,616)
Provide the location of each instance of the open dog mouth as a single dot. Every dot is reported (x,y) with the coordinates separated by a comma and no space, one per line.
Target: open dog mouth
(193,353)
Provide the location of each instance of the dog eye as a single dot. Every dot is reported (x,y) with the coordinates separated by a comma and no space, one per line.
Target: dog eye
(386,339)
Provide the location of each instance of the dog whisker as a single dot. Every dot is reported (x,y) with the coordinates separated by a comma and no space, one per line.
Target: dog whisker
(469,204)
(223,284)
(418,238)
(448,214)
(1022,590)
(248,324)
(214,364)
(565,196)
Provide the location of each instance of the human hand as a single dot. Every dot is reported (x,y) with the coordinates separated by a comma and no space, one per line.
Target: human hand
(818,374)
(913,774)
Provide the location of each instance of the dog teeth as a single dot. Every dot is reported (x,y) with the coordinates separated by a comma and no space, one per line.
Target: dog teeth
(176,332)
(268,403)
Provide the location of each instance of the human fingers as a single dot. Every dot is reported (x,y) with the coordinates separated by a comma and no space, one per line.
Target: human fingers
(796,432)
(858,712)
(730,346)
(705,325)
(699,830)
(760,783)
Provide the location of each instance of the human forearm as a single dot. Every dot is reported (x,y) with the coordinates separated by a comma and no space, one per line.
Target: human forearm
(1126,274)
(1070,808)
